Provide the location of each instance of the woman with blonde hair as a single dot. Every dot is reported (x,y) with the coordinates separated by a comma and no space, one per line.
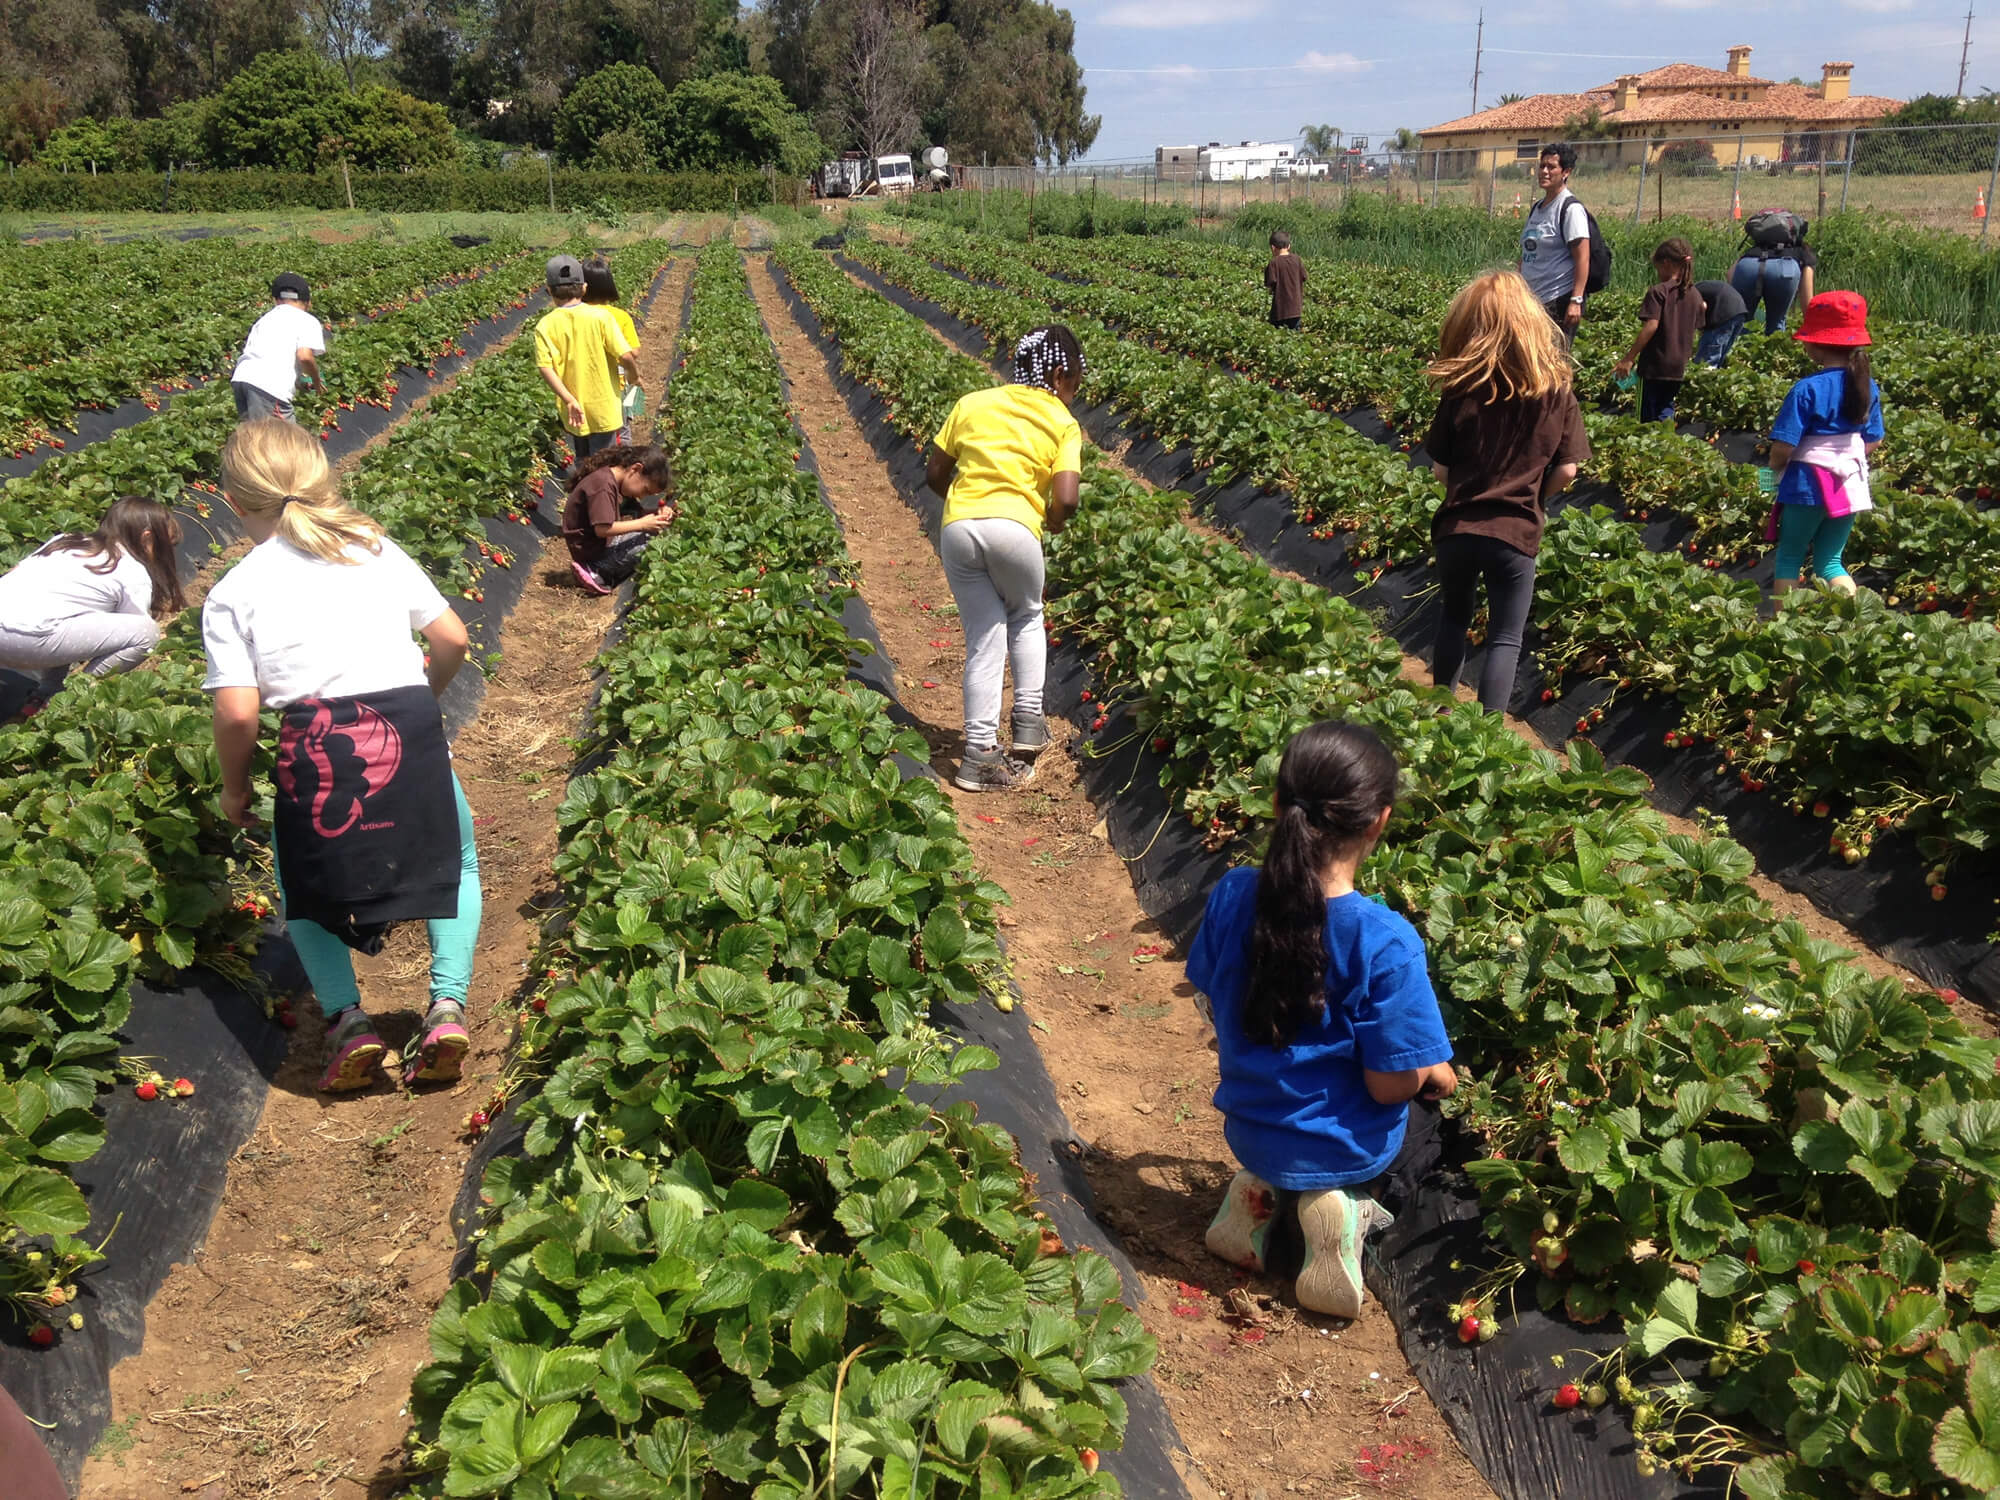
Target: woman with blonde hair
(1508,434)
(371,826)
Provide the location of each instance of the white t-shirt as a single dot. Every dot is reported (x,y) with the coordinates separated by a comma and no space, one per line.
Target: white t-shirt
(292,626)
(271,353)
(1546,238)
(45,588)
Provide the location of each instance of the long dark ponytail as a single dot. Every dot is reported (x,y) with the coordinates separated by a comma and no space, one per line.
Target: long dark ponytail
(1857,398)
(1333,783)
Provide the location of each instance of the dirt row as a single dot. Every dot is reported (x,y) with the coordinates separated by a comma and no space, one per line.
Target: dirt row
(1269,1400)
(277,1362)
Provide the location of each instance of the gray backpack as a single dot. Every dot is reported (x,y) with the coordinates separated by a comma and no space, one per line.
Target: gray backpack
(1774,228)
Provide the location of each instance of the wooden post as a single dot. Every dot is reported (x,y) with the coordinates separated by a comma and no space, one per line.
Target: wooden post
(1660,196)
(347,182)
(1031,200)
(1822,176)
(549,166)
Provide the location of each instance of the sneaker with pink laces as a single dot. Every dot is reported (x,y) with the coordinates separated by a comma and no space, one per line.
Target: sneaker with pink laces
(590,581)
(355,1053)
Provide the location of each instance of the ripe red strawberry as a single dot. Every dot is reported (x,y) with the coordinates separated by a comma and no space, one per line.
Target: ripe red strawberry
(183,1088)
(539,1004)
(477,1120)
(1468,1329)
(1805,1268)
(1084,696)
(1950,997)
(1088,1457)
(1548,695)
(1159,744)
(1821,809)
(41,1335)
(1566,1396)
(1938,892)
(1099,722)
(147,1090)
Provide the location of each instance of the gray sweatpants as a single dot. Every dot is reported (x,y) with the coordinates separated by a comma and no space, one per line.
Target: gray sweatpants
(996,571)
(104,643)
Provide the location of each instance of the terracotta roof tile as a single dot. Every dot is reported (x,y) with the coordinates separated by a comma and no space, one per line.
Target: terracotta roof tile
(1538,112)
(1785,102)
(1686,75)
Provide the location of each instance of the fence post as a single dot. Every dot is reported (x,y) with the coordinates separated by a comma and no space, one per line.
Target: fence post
(347,182)
(1492,186)
(1639,202)
(1435,155)
(1031,200)
(1093,205)
(549,165)
(1822,179)
(1992,181)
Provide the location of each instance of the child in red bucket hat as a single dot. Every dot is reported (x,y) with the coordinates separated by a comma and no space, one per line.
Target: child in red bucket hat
(1829,424)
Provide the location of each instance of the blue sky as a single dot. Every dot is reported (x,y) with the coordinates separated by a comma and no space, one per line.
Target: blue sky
(1171,72)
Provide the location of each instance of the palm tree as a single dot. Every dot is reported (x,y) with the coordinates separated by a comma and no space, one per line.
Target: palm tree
(1404,144)
(1512,98)
(1320,140)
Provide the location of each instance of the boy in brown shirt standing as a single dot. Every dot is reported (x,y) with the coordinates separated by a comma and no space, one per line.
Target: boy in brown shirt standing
(1285,280)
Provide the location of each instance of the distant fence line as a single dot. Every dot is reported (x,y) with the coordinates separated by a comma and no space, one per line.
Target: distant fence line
(1938,176)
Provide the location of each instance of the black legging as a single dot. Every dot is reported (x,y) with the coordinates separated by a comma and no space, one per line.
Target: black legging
(1462,561)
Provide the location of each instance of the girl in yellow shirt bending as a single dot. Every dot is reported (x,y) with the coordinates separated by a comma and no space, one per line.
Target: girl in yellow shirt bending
(1008,462)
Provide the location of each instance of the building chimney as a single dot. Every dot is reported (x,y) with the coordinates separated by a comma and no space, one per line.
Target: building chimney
(1625,92)
(1739,62)
(1836,81)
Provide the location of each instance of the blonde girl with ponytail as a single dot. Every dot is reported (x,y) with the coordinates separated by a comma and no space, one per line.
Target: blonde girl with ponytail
(319,622)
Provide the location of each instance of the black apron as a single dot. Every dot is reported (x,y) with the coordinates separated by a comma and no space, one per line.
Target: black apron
(365,820)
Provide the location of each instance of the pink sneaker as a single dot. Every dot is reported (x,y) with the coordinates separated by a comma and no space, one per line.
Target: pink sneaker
(590,581)
(441,1054)
(357,1053)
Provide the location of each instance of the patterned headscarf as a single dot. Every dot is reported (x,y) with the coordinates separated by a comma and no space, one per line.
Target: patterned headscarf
(1038,358)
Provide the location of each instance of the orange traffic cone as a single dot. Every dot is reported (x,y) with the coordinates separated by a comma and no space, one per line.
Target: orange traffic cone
(1736,203)
(1979,205)
(1517,201)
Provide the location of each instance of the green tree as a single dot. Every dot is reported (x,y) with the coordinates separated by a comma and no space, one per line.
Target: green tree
(736,120)
(622,151)
(623,96)
(1589,125)
(81,144)
(271,114)
(1320,140)
(1928,135)
(1512,98)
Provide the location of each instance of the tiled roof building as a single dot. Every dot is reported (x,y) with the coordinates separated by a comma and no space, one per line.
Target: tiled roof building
(1739,114)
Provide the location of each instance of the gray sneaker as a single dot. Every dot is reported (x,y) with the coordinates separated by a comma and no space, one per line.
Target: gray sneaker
(990,771)
(1031,736)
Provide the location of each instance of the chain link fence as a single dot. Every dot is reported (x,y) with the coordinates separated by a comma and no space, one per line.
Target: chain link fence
(1937,176)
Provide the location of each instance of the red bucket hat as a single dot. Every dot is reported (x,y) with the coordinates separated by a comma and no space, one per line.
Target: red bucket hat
(1835,318)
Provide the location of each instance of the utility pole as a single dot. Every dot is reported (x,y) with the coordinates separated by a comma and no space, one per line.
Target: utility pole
(1965,49)
(1479,57)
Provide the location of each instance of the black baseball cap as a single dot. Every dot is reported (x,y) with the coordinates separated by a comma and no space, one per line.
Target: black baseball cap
(291,286)
(565,270)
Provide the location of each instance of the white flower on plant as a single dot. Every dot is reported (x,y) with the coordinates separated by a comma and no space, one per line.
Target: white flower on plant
(1761,1011)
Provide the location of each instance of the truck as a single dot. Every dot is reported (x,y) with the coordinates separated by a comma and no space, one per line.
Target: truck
(856,175)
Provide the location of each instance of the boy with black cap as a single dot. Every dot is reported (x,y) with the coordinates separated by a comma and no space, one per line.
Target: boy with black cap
(577,347)
(283,345)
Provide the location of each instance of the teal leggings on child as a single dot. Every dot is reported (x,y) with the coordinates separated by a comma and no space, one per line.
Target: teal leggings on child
(329,963)
(1808,528)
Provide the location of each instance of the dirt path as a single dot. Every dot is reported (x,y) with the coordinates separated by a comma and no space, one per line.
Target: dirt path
(279,1361)
(1306,1405)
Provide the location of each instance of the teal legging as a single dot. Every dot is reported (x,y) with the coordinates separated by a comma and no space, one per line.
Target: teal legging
(1808,528)
(329,963)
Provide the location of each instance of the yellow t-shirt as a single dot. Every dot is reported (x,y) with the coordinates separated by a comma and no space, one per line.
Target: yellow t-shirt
(625,326)
(1010,442)
(582,345)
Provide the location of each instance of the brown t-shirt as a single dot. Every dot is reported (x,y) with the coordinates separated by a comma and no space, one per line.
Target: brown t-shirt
(1495,456)
(592,503)
(1668,351)
(1285,279)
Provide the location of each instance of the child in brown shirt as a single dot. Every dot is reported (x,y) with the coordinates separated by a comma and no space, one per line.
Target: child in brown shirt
(1285,280)
(1508,434)
(1668,319)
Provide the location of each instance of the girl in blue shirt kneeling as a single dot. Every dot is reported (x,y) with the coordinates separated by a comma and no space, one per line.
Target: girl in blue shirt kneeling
(1326,1026)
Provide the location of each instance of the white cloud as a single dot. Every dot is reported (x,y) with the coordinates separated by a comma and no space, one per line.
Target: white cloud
(1174,15)
(1334,62)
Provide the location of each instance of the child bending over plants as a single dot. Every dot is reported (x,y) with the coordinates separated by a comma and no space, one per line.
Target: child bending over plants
(1829,424)
(370,824)
(94,599)
(1326,1026)
(604,545)
(1507,435)
(1009,461)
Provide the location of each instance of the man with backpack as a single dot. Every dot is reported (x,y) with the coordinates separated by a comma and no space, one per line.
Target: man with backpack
(1777,267)
(1560,245)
